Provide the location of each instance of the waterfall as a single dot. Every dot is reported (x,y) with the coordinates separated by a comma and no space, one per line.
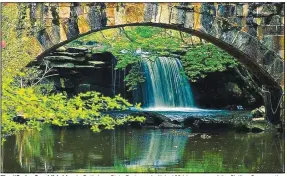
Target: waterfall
(165,86)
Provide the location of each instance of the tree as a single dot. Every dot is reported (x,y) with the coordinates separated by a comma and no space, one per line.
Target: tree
(22,89)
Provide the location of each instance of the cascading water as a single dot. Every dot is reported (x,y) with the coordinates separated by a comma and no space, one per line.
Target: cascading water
(165,86)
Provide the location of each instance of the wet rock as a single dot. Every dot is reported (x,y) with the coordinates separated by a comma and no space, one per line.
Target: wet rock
(189,122)
(206,124)
(155,120)
(259,125)
(167,124)
(152,118)
(255,126)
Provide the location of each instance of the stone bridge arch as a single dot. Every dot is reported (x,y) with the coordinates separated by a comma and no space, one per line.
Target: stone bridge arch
(238,28)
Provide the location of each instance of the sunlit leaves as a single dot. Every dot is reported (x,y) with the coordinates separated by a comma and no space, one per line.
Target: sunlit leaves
(57,109)
(204,59)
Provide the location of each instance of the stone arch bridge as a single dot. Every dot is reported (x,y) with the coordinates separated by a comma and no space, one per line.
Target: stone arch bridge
(251,32)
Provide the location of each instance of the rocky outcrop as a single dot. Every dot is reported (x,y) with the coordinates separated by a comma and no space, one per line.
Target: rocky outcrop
(81,69)
(155,120)
(207,124)
(225,90)
(79,56)
(239,124)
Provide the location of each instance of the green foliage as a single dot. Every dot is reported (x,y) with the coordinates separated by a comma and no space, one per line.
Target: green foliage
(58,110)
(204,59)
(134,77)
(26,94)
(199,60)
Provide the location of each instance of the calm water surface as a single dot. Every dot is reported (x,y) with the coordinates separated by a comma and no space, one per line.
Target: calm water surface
(142,150)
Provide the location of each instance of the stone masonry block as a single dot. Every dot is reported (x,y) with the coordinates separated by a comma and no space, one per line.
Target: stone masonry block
(254,49)
(189,20)
(230,36)
(268,58)
(148,12)
(273,30)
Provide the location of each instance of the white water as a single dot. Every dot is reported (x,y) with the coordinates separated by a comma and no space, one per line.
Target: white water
(165,87)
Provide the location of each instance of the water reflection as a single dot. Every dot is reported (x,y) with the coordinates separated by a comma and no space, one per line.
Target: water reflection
(157,147)
(142,150)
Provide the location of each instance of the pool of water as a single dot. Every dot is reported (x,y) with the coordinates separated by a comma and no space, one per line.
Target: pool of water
(142,150)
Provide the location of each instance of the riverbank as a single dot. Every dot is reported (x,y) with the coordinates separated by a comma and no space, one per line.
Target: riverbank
(199,121)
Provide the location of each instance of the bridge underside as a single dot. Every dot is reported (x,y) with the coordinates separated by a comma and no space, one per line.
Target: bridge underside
(242,57)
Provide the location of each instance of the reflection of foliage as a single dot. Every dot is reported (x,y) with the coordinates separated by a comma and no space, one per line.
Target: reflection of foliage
(31,144)
(211,162)
(124,151)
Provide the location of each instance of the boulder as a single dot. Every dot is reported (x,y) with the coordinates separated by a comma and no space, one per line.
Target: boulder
(259,125)
(152,118)
(258,112)
(155,120)
(206,123)
(255,126)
